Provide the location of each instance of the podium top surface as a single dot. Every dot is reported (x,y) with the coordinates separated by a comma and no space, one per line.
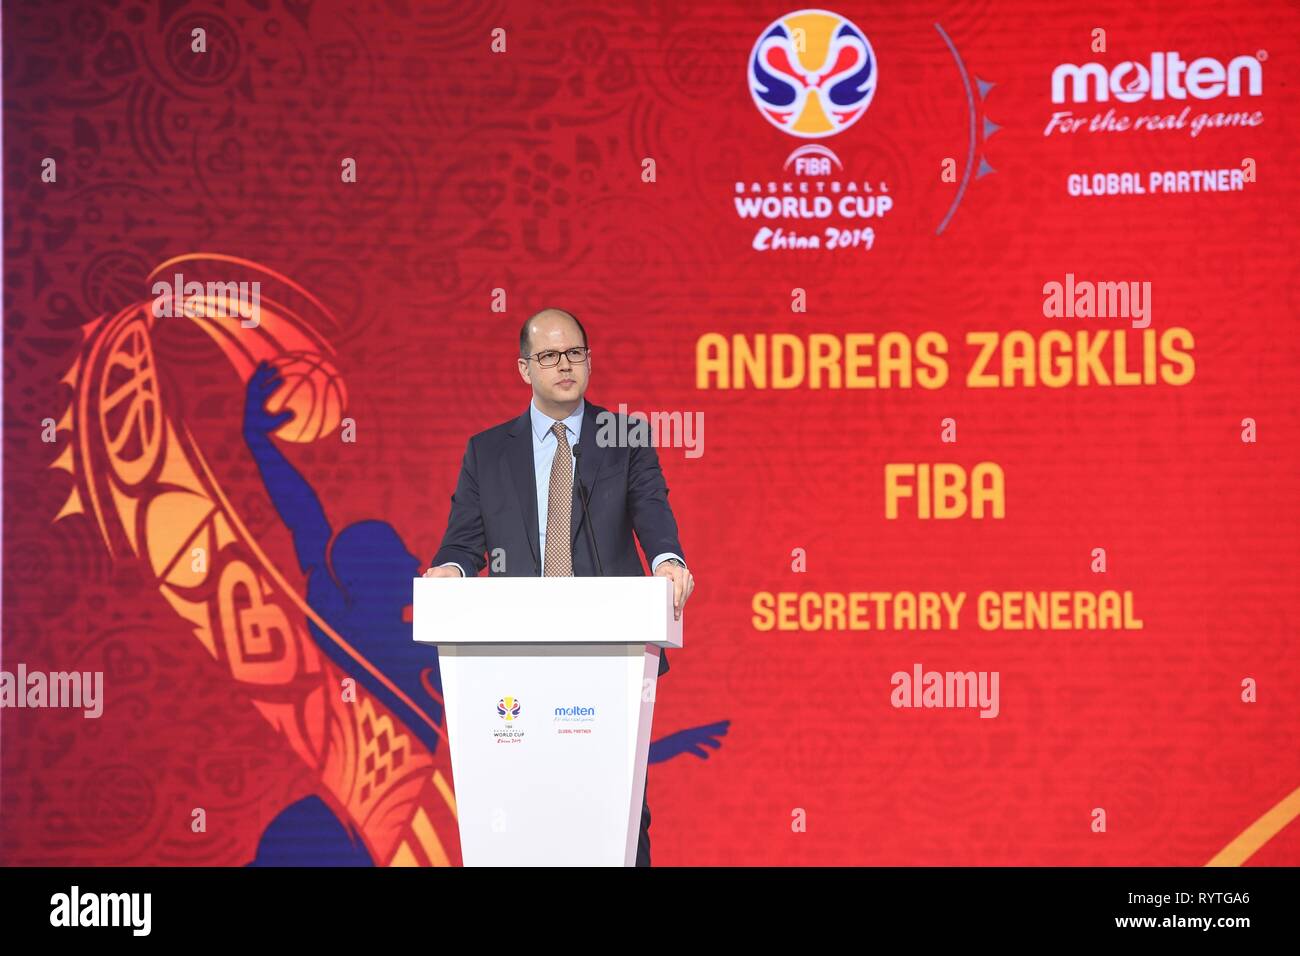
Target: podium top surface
(538,610)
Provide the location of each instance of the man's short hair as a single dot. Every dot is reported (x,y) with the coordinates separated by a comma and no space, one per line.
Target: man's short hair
(523,332)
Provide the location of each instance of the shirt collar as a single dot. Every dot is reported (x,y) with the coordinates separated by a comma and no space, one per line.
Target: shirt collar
(542,423)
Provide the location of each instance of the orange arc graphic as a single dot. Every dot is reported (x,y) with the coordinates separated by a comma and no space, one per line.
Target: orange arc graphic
(1260,832)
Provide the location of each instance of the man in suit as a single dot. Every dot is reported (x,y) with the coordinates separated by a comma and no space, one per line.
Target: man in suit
(516,493)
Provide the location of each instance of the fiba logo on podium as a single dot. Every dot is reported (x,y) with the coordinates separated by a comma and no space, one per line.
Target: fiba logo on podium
(508,710)
(812,73)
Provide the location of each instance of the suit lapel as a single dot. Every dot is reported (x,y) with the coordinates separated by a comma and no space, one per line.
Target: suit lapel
(524,474)
(589,463)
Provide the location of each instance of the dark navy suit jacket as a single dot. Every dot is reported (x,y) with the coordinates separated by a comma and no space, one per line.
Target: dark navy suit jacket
(495,504)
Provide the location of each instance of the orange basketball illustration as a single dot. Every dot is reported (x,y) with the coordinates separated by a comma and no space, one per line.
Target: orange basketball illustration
(313,391)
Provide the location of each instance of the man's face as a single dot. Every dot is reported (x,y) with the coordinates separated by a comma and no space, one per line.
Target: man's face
(565,382)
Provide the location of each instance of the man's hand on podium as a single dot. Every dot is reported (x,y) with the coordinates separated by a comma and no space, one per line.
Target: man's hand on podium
(445,572)
(683,584)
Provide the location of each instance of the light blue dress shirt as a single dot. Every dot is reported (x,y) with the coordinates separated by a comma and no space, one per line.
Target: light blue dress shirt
(544,447)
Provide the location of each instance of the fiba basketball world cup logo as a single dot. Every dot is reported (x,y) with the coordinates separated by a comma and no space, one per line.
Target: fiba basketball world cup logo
(812,74)
(509,732)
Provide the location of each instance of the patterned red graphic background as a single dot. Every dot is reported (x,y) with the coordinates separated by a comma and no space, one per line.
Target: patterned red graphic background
(522,171)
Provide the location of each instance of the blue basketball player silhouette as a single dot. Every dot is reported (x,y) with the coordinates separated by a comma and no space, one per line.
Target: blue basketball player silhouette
(360,584)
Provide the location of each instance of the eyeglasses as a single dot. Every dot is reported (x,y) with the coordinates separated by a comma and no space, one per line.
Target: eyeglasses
(551,358)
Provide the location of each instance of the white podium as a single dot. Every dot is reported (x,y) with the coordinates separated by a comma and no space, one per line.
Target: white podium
(549,688)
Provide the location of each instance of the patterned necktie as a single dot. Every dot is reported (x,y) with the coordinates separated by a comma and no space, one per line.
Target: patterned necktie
(559,546)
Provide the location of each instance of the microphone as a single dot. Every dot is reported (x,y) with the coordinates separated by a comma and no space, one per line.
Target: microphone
(586,508)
